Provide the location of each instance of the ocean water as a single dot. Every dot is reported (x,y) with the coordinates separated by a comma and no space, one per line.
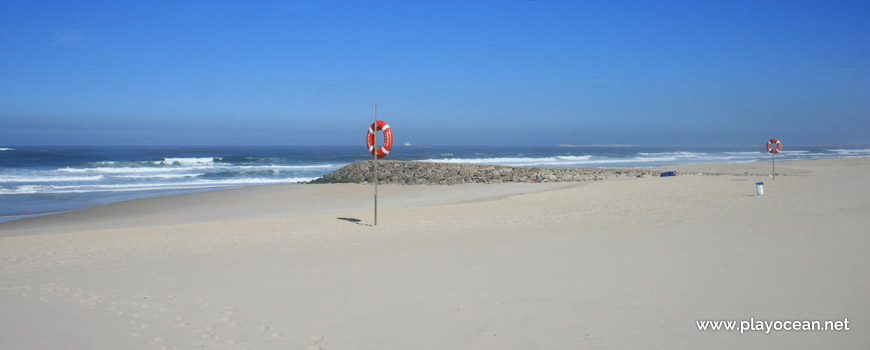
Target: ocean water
(41,180)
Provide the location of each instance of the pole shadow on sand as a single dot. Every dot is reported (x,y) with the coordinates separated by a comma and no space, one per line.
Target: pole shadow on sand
(355,221)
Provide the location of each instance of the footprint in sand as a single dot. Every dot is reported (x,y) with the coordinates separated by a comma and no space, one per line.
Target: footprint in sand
(316,339)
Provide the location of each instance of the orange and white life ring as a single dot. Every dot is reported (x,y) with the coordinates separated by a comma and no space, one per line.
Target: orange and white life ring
(774,146)
(388,139)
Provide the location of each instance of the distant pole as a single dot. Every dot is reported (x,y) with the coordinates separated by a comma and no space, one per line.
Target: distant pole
(773,171)
(376,163)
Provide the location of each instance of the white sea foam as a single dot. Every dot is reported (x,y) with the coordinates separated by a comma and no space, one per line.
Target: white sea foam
(572,158)
(227,182)
(285,167)
(158,167)
(651,158)
(158,176)
(32,189)
(757,153)
(7,149)
(680,157)
(168,173)
(26,189)
(851,152)
(187,161)
(19,179)
(674,154)
(127,170)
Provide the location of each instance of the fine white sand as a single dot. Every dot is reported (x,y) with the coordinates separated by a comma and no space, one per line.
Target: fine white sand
(615,264)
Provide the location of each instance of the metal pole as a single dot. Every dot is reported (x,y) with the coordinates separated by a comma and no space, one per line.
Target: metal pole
(376,164)
(774,166)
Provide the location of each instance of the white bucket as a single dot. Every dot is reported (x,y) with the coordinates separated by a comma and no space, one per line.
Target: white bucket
(759,188)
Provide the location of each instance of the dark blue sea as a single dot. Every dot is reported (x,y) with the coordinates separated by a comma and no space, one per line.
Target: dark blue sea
(40,180)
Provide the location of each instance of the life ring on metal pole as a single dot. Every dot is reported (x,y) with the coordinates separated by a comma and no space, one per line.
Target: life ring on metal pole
(388,139)
(774,146)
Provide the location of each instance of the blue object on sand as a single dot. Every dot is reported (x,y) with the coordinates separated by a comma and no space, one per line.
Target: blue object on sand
(668,173)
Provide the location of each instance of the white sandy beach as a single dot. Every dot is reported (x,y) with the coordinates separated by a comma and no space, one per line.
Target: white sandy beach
(615,264)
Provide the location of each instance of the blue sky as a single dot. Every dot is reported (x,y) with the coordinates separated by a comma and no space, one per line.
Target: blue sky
(444,72)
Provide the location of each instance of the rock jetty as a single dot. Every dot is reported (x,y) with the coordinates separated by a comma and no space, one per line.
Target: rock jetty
(425,173)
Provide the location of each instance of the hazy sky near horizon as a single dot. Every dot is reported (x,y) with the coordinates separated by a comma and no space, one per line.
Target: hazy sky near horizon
(495,72)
